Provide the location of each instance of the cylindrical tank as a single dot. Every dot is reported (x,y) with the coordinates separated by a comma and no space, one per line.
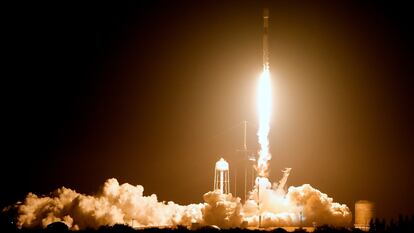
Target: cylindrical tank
(222,165)
(222,176)
(364,212)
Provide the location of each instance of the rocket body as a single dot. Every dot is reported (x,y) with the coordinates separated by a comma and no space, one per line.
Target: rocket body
(265,39)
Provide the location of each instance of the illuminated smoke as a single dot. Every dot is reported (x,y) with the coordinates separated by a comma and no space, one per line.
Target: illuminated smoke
(114,204)
(222,210)
(126,204)
(264,103)
(299,206)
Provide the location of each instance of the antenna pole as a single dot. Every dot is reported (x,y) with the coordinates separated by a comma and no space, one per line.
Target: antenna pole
(235,182)
(258,203)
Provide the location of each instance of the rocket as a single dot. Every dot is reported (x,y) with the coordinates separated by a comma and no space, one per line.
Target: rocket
(265,39)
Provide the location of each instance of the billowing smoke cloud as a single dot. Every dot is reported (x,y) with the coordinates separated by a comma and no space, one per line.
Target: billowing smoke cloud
(299,206)
(126,204)
(222,210)
(115,204)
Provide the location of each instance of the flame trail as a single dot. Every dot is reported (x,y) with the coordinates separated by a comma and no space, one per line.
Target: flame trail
(264,108)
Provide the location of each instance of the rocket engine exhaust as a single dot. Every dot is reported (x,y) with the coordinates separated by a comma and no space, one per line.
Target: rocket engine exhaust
(264,103)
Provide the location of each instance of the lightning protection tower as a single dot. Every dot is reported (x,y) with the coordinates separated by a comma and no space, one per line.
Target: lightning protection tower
(249,161)
(222,176)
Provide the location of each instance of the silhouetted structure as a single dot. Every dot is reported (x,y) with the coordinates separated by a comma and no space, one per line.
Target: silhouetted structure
(364,213)
(57,227)
(404,224)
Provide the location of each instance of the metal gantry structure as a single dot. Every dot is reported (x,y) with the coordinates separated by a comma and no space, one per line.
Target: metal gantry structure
(249,160)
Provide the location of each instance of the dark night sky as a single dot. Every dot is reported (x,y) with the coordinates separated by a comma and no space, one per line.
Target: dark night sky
(155,93)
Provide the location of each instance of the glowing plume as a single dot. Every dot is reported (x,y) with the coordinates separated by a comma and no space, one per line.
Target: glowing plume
(264,102)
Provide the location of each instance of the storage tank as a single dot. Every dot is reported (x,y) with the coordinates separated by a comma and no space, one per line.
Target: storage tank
(222,176)
(364,212)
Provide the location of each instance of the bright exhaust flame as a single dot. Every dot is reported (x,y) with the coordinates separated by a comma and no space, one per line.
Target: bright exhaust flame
(264,102)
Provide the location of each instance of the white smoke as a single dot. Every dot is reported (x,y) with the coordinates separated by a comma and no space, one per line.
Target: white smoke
(299,206)
(222,210)
(115,204)
(126,204)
